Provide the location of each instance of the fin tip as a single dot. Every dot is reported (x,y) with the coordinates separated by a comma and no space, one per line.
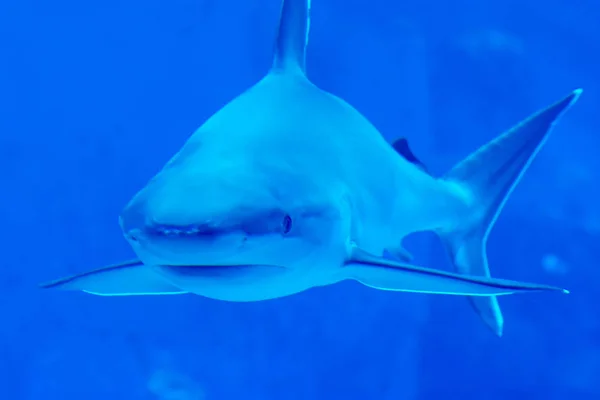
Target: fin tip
(575,94)
(498,327)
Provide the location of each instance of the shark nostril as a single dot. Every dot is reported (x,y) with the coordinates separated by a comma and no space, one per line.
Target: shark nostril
(133,235)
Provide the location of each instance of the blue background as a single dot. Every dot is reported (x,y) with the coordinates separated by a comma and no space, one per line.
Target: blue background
(96,95)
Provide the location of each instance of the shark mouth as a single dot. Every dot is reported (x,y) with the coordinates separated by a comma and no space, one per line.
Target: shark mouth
(194,245)
(192,230)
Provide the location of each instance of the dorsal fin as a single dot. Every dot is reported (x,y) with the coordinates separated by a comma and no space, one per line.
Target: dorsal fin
(292,36)
(402,148)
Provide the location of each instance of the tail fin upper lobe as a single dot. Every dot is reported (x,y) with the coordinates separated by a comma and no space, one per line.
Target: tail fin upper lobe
(490,174)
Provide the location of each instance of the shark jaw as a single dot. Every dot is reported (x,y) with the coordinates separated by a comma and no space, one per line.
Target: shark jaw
(250,223)
(270,246)
(186,245)
(228,265)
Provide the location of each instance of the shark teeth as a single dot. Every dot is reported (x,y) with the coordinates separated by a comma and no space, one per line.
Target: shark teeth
(178,231)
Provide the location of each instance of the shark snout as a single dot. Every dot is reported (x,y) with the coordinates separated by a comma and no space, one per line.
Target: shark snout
(157,210)
(137,219)
(164,229)
(133,221)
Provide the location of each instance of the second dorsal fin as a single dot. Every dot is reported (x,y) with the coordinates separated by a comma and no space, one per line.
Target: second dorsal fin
(292,36)
(402,148)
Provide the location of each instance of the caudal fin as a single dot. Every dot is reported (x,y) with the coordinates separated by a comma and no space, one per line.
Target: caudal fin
(489,175)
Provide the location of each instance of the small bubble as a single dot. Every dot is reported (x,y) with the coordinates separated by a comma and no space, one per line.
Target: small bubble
(554,265)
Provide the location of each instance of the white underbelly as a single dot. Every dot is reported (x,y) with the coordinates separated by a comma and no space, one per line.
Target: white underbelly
(239,283)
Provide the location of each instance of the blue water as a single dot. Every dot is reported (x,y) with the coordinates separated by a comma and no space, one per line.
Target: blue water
(96,95)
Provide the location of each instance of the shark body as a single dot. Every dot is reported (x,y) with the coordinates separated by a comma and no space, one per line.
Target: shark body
(288,187)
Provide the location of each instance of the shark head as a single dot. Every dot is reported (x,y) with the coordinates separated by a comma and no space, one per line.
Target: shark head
(201,212)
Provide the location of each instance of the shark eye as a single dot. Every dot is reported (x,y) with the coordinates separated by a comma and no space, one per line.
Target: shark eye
(286,224)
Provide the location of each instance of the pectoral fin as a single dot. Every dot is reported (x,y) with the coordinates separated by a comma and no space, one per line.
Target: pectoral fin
(383,274)
(129,278)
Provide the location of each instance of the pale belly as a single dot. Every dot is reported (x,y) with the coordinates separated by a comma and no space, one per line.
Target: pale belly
(240,283)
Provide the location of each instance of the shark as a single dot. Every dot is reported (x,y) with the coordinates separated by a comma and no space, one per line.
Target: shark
(288,187)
